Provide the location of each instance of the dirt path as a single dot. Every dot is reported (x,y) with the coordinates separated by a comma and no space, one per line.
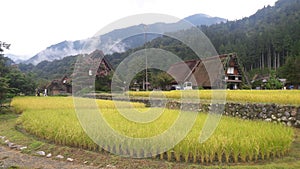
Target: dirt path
(14,158)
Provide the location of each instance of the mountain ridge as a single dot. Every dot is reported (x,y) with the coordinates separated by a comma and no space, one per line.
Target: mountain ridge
(112,42)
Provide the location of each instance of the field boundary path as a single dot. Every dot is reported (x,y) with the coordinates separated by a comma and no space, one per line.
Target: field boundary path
(13,158)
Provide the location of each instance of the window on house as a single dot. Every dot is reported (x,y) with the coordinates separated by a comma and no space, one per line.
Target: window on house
(230,70)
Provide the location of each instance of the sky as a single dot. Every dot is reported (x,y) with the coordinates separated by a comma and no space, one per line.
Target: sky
(32,25)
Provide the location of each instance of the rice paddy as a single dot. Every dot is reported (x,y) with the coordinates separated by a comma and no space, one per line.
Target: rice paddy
(234,140)
(289,97)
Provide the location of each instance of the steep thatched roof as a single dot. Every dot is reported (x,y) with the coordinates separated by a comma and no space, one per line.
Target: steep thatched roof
(207,72)
(181,70)
(95,63)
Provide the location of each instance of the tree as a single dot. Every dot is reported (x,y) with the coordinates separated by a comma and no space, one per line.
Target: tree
(20,82)
(4,86)
(291,70)
(162,80)
(3,90)
(273,82)
(12,80)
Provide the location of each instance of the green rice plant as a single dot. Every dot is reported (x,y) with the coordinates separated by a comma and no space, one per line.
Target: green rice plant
(185,151)
(263,150)
(235,148)
(169,155)
(211,152)
(227,151)
(161,156)
(244,149)
(177,153)
(256,149)
(201,153)
(194,154)
(251,152)
(220,143)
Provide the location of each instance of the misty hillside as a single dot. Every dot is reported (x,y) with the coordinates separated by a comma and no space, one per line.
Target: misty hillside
(117,40)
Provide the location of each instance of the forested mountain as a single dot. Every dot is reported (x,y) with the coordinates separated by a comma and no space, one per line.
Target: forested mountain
(51,70)
(263,40)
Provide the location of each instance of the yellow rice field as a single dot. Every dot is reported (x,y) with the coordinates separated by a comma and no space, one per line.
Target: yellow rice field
(289,97)
(235,140)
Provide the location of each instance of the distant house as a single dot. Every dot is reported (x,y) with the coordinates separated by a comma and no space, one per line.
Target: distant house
(222,69)
(60,86)
(95,64)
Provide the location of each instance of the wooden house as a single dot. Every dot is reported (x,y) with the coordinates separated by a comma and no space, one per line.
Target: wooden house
(222,69)
(95,64)
(61,86)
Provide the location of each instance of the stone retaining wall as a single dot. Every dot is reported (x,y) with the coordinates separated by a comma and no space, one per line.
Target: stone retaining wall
(285,114)
(288,115)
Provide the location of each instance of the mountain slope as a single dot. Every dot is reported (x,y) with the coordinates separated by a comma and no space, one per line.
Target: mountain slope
(116,40)
(51,70)
(263,40)
(16,58)
(202,19)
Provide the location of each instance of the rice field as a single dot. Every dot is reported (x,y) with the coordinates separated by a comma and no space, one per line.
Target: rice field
(54,103)
(288,97)
(234,140)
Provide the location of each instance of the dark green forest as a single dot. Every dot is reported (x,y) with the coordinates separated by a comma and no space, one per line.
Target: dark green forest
(263,40)
(13,81)
(51,70)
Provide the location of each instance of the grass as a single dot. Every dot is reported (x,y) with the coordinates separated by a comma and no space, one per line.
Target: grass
(289,97)
(234,141)
(8,121)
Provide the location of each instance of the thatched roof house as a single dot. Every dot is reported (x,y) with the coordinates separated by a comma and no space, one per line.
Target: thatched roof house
(95,64)
(222,69)
(104,67)
(60,86)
